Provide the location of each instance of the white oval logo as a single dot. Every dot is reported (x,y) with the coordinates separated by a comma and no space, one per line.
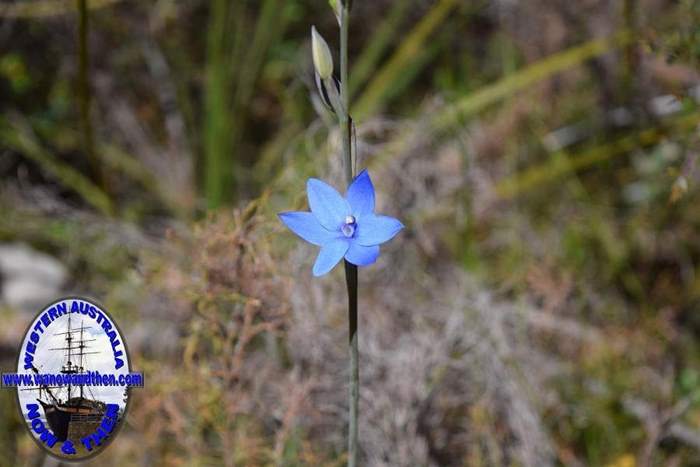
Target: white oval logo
(73,378)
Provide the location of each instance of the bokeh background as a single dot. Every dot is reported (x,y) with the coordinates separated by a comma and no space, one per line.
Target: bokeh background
(540,308)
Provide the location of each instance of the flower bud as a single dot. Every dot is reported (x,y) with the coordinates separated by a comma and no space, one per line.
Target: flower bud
(323,61)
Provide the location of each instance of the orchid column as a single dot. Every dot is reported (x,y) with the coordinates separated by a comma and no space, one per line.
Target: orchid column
(344,227)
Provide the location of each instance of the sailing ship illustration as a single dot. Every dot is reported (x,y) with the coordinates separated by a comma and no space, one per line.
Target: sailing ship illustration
(71,411)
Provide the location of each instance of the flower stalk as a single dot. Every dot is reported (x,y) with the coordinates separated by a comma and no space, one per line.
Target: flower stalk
(343,6)
(351,282)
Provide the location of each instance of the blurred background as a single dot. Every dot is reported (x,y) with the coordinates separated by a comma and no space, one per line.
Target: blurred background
(540,308)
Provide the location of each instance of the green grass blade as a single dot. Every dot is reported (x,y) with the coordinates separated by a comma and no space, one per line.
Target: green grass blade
(367,62)
(565,163)
(526,77)
(218,148)
(377,92)
(20,138)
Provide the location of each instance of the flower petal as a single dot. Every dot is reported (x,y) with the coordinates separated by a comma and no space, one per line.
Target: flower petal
(305,225)
(360,195)
(374,229)
(326,204)
(330,254)
(362,255)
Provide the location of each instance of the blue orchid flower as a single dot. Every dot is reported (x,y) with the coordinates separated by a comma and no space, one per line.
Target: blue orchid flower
(343,227)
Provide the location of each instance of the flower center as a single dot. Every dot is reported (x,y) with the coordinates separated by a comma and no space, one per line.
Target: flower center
(348,228)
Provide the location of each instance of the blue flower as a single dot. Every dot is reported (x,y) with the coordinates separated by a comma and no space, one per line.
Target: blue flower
(342,227)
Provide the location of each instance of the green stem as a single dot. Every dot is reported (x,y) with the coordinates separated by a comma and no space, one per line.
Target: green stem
(219,161)
(351,282)
(350,269)
(343,115)
(84,97)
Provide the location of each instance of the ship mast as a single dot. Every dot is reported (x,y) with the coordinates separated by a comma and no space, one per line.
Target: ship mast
(82,346)
(70,368)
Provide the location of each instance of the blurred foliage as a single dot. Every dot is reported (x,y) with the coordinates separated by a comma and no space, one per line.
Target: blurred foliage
(576,131)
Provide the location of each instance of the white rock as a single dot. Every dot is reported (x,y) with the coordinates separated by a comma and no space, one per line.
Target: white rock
(30,278)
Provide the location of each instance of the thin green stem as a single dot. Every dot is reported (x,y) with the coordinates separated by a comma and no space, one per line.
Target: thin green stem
(351,282)
(84,97)
(350,269)
(343,115)
(219,159)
